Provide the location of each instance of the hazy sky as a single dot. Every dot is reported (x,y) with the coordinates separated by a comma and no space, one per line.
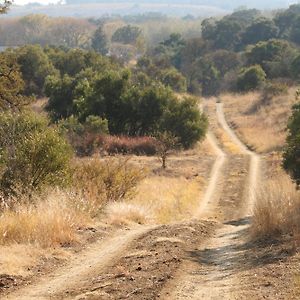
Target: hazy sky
(40,1)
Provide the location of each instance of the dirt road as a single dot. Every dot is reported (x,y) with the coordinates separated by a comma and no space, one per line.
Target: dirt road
(98,257)
(211,271)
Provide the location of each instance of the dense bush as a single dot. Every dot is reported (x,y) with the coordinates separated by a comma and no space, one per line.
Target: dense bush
(129,145)
(35,66)
(32,155)
(99,182)
(251,78)
(291,156)
(131,105)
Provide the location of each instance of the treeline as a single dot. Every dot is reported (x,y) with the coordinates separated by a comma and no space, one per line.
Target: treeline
(89,92)
(239,52)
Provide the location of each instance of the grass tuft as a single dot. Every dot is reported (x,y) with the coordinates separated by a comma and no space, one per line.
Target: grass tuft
(277,209)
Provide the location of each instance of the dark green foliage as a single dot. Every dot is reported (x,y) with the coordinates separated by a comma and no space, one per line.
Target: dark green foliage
(275,57)
(11,83)
(100,41)
(184,121)
(139,109)
(127,35)
(251,78)
(33,155)
(35,67)
(295,68)
(170,50)
(262,29)
(291,156)
(174,79)
(285,20)
(204,77)
(61,92)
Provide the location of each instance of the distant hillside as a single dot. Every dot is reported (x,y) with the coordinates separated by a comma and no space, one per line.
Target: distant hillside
(97,8)
(227,4)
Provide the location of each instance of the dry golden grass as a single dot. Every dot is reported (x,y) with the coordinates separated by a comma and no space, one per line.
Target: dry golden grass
(160,200)
(277,209)
(48,223)
(263,128)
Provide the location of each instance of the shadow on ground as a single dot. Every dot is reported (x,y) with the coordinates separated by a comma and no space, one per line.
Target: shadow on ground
(240,254)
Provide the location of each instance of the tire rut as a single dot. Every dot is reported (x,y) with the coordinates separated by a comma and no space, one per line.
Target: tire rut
(97,257)
(211,271)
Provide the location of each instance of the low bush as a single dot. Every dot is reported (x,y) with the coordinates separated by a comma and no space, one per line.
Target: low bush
(98,182)
(129,145)
(251,78)
(32,155)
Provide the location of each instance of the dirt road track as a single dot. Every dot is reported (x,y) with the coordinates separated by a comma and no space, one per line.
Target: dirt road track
(98,257)
(211,272)
(214,176)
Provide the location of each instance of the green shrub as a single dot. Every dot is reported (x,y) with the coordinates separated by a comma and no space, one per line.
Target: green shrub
(291,155)
(174,79)
(32,155)
(251,78)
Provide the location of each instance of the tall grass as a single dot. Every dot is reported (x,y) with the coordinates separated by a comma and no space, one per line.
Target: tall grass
(159,200)
(261,126)
(52,219)
(51,222)
(277,209)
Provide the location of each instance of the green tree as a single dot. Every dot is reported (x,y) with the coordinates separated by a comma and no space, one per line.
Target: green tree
(275,57)
(100,41)
(32,154)
(166,142)
(170,50)
(204,77)
(295,30)
(291,155)
(183,120)
(262,29)
(295,67)
(11,84)
(35,67)
(251,78)
(174,79)
(61,93)
(127,35)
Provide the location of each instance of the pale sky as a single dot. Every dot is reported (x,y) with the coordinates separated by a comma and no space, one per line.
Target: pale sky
(21,2)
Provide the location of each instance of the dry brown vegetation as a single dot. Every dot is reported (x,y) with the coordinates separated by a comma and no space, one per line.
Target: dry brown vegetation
(54,219)
(169,195)
(277,209)
(262,127)
(117,190)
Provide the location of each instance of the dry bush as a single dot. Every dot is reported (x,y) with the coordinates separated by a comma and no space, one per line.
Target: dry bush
(50,222)
(129,145)
(261,127)
(98,182)
(123,213)
(160,200)
(277,209)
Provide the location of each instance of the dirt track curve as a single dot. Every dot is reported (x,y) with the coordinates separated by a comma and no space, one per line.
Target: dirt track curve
(98,257)
(211,271)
